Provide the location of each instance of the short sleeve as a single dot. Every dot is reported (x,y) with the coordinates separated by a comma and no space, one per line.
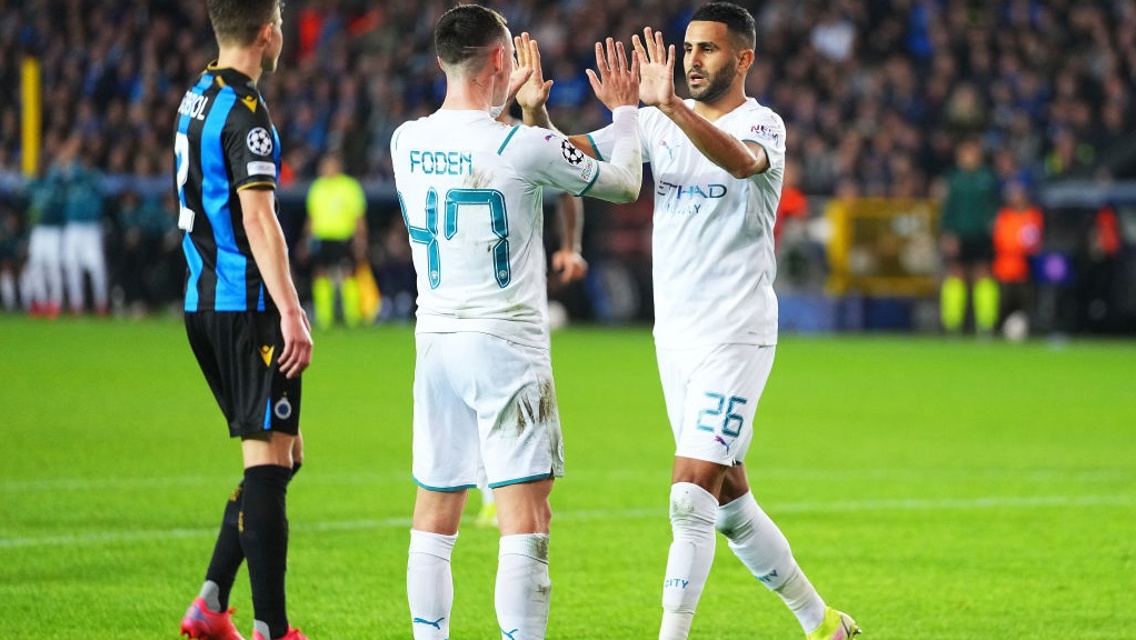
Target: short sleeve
(764,127)
(251,144)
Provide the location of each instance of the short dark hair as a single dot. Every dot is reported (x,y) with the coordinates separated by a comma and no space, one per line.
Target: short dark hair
(739,23)
(462,32)
(239,21)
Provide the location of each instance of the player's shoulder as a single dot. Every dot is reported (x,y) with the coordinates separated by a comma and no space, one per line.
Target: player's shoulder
(248,107)
(440,127)
(759,123)
(754,110)
(519,140)
(412,132)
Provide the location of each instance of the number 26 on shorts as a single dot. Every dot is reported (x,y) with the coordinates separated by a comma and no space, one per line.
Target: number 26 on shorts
(720,415)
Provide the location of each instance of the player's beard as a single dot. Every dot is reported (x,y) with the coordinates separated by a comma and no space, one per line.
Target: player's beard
(716,85)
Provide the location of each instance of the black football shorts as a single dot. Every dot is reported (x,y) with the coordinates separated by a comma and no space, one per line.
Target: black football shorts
(238,351)
(976,249)
(333,254)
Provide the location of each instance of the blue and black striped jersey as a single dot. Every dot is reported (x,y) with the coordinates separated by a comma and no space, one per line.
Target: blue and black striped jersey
(225,142)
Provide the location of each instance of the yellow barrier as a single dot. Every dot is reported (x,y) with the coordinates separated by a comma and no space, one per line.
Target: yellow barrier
(883,246)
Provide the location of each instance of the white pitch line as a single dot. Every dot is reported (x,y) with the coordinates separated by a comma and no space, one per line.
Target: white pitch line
(147,484)
(992,502)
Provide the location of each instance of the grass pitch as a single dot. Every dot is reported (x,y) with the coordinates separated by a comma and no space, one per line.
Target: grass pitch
(933,489)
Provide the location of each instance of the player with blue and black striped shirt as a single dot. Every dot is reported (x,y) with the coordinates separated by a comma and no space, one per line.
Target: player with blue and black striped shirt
(242,314)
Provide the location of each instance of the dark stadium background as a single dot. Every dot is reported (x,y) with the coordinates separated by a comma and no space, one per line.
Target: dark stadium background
(875,94)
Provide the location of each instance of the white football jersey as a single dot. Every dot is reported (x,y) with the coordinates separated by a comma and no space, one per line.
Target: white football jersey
(471,197)
(712,242)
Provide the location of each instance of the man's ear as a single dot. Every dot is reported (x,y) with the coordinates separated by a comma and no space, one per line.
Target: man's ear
(745,60)
(264,36)
(497,56)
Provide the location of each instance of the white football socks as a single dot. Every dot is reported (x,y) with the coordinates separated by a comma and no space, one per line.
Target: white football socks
(763,549)
(524,589)
(430,584)
(691,554)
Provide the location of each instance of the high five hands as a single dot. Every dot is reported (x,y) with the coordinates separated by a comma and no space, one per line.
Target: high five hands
(656,69)
(648,78)
(532,89)
(616,84)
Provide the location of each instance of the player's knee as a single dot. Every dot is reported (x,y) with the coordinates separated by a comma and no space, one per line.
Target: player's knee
(691,506)
(730,527)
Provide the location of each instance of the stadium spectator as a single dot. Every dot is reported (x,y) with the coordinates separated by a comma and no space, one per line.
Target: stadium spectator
(969,207)
(149,244)
(991,70)
(337,242)
(489,306)
(793,207)
(394,270)
(718,160)
(880,104)
(1098,270)
(243,317)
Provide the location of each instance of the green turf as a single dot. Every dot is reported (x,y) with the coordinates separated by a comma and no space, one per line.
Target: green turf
(934,489)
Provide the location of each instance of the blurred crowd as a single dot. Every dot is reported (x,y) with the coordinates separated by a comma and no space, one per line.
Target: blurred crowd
(875,94)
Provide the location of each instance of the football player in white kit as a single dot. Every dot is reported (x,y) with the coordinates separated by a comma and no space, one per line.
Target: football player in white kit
(470,191)
(718,160)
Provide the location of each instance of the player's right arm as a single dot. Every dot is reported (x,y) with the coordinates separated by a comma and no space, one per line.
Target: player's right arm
(567,260)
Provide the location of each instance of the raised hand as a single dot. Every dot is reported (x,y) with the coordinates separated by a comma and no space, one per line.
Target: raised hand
(517,79)
(616,84)
(656,70)
(532,92)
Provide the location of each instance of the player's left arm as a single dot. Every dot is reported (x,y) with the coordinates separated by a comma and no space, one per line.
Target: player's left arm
(269,250)
(252,149)
(567,260)
(741,159)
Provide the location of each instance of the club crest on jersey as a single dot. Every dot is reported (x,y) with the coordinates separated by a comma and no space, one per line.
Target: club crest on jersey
(573,155)
(259,141)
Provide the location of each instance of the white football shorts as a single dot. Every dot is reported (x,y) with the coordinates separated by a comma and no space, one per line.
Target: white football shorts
(480,399)
(712,395)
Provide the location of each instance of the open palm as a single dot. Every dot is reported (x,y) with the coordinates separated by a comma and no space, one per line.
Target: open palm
(533,91)
(656,68)
(615,82)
